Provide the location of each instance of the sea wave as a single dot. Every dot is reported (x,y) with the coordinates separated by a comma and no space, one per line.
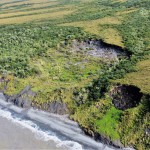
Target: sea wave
(39,133)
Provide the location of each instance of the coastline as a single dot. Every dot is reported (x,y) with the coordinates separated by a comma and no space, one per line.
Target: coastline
(60,124)
(51,127)
(25,99)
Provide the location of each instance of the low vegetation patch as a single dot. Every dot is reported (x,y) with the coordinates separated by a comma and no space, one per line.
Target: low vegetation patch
(140,78)
(108,124)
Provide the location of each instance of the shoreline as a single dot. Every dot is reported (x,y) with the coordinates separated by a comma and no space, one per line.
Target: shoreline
(15,136)
(64,129)
(56,121)
(59,107)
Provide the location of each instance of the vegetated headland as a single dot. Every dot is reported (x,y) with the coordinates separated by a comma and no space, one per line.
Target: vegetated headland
(89,59)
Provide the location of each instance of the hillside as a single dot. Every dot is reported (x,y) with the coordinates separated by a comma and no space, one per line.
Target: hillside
(87,55)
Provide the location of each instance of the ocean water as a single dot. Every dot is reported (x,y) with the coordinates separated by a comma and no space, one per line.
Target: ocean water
(29,129)
(15,136)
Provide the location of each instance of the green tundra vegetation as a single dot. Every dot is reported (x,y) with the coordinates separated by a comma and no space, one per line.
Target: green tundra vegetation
(35,41)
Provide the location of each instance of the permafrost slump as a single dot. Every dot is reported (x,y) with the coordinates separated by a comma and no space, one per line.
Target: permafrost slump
(125,96)
(99,49)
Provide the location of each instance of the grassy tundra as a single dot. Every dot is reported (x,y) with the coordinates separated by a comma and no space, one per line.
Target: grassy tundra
(35,43)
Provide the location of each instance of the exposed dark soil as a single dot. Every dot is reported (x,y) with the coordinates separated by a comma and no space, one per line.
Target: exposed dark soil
(97,48)
(125,96)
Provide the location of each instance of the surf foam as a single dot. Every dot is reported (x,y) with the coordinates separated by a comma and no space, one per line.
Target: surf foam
(39,134)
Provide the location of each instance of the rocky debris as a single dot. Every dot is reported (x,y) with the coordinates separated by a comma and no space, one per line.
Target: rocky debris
(125,96)
(25,99)
(105,140)
(22,99)
(98,48)
(57,107)
(117,143)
